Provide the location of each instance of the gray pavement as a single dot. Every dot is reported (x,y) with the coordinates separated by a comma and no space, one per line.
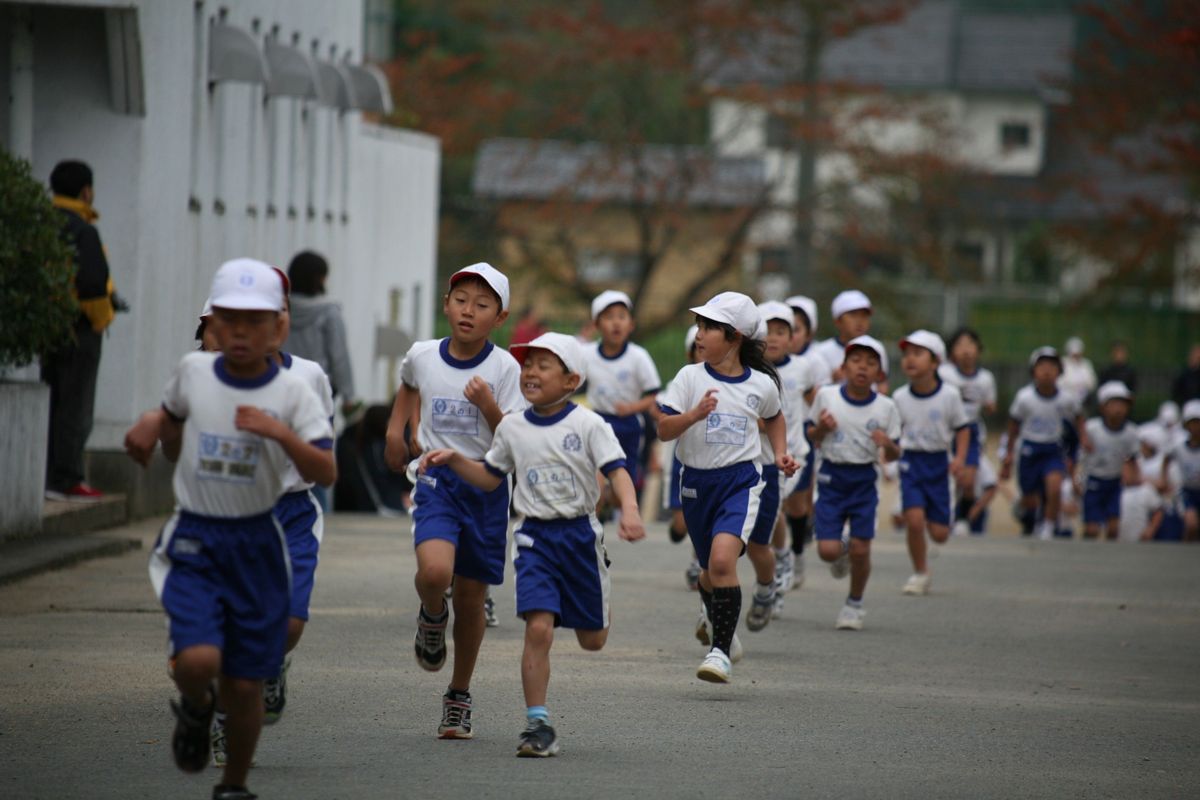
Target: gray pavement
(1058,669)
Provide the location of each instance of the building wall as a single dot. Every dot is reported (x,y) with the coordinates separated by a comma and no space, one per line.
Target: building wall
(364,196)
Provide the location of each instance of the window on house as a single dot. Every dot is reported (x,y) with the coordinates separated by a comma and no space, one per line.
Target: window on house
(603,266)
(1014,135)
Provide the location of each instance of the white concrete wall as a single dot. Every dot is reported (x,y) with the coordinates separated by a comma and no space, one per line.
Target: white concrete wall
(373,192)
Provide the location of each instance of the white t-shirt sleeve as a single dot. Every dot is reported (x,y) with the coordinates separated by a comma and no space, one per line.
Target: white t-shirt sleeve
(677,393)
(989,389)
(772,403)
(308,417)
(648,379)
(174,400)
(508,388)
(500,456)
(602,445)
(818,405)
(1017,410)
(957,412)
(408,370)
(894,428)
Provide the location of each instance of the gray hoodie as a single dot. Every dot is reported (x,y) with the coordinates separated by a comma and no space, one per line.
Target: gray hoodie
(319,334)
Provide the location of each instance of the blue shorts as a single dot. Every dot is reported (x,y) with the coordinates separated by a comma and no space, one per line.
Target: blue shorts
(768,505)
(562,567)
(476,522)
(1038,460)
(847,493)
(974,445)
(673,501)
(630,436)
(806,474)
(300,515)
(925,484)
(1102,500)
(226,583)
(1191,499)
(721,500)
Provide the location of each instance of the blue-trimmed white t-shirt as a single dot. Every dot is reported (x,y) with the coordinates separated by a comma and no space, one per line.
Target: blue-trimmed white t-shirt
(729,435)
(1110,449)
(931,420)
(223,471)
(977,389)
(318,381)
(1041,417)
(851,442)
(624,378)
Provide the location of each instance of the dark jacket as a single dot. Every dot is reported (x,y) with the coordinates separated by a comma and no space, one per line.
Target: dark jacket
(93,283)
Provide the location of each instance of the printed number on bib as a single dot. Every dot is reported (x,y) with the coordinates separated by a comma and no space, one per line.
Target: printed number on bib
(452,416)
(227,458)
(551,482)
(726,429)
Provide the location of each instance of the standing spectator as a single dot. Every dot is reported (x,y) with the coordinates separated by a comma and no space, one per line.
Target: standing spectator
(1119,368)
(318,332)
(71,371)
(1187,383)
(1078,377)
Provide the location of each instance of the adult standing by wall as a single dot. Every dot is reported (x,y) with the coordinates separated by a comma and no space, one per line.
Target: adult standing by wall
(318,331)
(1187,383)
(1119,368)
(71,370)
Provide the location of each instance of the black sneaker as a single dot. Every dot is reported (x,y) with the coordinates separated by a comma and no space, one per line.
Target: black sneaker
(190,742)
(538,740)
(226,792)
(275,693)
(430,643)
(456,715)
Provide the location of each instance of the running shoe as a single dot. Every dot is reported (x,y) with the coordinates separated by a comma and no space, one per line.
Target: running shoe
(226,792)
(275,693)
(489,611)
(759,614)
(840,567)
(190,741)
(785,569)
(456,716)
(777,607)
(850,618)
(918,583)
(798,572)
(715,668)
(430,642)
(692,575)
(702,635)
(538,740)
(217,740)
(961,528)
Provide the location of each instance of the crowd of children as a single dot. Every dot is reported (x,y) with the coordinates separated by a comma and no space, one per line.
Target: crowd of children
(776,439)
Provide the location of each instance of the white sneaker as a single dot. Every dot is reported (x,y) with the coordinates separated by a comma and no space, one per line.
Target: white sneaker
(715,668)
(785,570)
(735,649)
(799,572)
(702,635)
(840,568)
(777,608)
(961,528)
(850,618)
(918,583)
(1045,531)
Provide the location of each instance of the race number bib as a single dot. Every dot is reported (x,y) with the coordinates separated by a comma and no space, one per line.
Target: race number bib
(227,458)
(457,417)
(551,482)
(726,429)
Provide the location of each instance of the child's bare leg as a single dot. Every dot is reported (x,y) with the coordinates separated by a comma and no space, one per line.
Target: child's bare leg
(1191,525)
(722,561)
(860,565)
(1091,530)
(435,570)
(830,549)
(1053,497)
(764,563)
(295,631)
(242,699)
(938,532)
(779,534)
(469,625)
(914,520)
(592,640)
(196,668)
(535,660)
(1112,529)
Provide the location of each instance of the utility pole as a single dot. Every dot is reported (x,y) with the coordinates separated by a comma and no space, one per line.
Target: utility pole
(802,262)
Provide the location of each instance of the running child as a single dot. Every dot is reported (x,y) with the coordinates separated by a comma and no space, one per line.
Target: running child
(555,450)
(853,425)
(463,386)
(677,527)
(1186,455)
(235,423)
(978,389)
(1037,420)
(851,311)
(935,427)
(1115,444)
(622,378)
(731,388)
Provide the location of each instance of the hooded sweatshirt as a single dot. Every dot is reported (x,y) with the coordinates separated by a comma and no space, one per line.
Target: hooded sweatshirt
(319,334)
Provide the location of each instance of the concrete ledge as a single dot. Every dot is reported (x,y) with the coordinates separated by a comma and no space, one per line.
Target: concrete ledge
(62,518)
(148,491)
(26,557)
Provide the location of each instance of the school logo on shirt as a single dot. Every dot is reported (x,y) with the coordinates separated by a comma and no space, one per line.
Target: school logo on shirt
(572,443)
(872,424)
(453,416)
(753,401)
(624,375)
(935,415)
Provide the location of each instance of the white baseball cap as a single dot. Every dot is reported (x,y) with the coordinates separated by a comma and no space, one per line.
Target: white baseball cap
(1044,352)
(689,338)
(1113,390)
(734,309)
(610,297)
(1074,346)
(567,348)
(1191,410)
(1152,434)
(246,284)
(871,343)
(849,300)
(808,306)
(773,309)
(927,339)
(206,312)
(1168,414)
(490,275)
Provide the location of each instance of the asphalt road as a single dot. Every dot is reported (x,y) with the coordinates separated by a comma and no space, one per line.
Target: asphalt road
(1056,669)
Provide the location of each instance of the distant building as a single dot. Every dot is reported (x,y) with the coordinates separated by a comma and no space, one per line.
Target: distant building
(218,130)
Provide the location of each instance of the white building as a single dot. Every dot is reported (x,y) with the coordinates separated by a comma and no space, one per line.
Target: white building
(218,130)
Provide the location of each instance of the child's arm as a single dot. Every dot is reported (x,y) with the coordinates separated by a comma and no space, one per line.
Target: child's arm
(473,472)
(631,528)
(312,462)
(1085,441)
(1014,430)
(637,407)
(981,504)
(672,426)
(776,428)
(404,409)
(824,426)
(1152,526)
(891,450)
(479,393)
(142,438)
(962,441)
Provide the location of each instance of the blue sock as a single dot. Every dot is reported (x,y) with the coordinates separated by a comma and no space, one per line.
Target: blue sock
(537,712)
(854,601)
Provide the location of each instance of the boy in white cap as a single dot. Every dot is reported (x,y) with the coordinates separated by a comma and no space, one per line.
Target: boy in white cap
(851,312)
(936,427)
(236,423)
(853,425)
(554,449)
(1186,455)
(1115,444)
(713,408)
(463,386)
(1036,422)
(622,379)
